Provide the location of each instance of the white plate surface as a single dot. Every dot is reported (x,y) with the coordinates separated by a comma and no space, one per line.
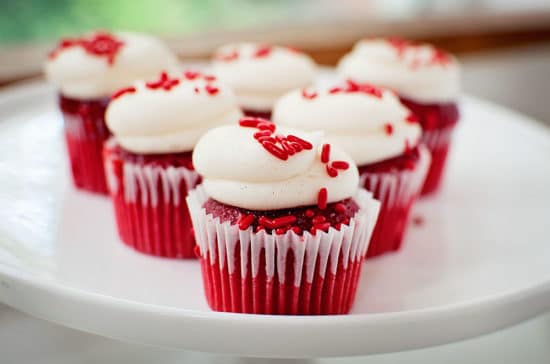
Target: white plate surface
(478,263)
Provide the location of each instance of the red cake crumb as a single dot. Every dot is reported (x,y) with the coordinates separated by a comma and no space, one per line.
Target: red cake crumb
(418,220)
(299,219)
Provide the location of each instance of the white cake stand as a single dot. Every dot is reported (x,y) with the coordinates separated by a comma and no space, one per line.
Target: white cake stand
(480,261)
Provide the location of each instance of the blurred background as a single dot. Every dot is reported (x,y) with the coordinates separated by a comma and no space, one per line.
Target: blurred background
(504,44)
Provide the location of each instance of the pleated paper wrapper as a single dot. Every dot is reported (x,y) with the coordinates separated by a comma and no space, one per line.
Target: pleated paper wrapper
(257,272)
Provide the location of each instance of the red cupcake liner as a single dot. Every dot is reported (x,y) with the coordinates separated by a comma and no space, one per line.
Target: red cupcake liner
(85,132)
(438,121)
(291,274)
(149,201)
(438,142)
(396,190)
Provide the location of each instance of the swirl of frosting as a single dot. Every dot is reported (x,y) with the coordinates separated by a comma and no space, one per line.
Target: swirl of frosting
(170,114)
(97,65)
(369,122)
(417,71)
(239,170)
(260,74)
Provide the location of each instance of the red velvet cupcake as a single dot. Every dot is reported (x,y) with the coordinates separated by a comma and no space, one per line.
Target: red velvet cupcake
(259,74)
(427,81)
(148,162)
(87,71)
(276,234)
(381,136)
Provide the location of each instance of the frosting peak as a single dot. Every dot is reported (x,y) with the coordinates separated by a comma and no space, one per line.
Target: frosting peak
(98,64)
(240,168)
(260,74)
(369,122)
(417,71)
(170,113)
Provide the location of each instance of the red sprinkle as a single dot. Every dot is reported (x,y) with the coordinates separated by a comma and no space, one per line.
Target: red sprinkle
(245,221)
(228,57)
(284,220)
(191,75)
(267,139)
(411,118)
(319,219)
(322,197)
(163,82)
(335,90)
(308,95)
(332,172)
(309,213)
(325,153)
(288,147)
(266,223)
(280,231)
(127,90)
(262,51)
(343,165)
(388,128)
(250,122)
(303,143)
(266,126)
(264,133)
(212,90)
(340,208)
(275,150)
(209,78)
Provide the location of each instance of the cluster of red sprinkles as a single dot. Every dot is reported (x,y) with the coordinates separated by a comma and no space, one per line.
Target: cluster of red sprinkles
(438,56)
(280,225)
(280,146)
(260,51)
(99,44)
(349,87)
(333,167)
(166,83)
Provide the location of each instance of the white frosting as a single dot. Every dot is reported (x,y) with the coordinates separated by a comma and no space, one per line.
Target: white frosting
(411,72)
(82,75)
(169,121)
(356,121)
(260,81)
(238,171)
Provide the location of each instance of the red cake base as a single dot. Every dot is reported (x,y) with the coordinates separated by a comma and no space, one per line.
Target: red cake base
(257,113)
(85,132)
(148,193)
(396,183)
(438,122)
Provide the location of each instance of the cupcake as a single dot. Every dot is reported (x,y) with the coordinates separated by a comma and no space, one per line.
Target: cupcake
(155,126)
(381,136)
(275,233)
(426,79)
(87,71)
(260,74)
